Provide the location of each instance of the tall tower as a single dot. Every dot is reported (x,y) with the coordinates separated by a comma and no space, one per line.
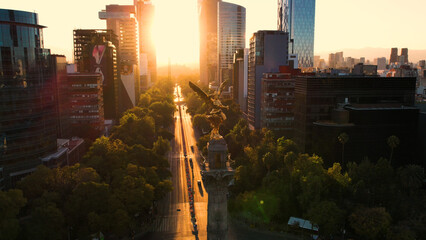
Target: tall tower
(147,55)
(207,14)
(394,56)
(268,51)
(122,21)
(231,37)
(27,105)
(404,52)
(298,19)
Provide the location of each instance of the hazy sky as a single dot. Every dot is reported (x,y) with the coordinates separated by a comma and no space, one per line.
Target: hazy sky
(340,24)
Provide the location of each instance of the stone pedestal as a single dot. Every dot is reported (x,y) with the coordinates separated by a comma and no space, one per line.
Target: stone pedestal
(216,178)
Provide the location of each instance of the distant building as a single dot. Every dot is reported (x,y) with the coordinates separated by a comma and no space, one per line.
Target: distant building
(239,81)
(368,109)
(298,19)
(87,107)
(268,51)
(332,60)
(394,56)
(317,60)
(404,54)
(148,59)
(27,104)
(231,37)
(364,70)
(122,21)
(339,60)
(381,63)
(208,24)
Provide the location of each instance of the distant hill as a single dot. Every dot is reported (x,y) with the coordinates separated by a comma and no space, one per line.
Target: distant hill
(371,53)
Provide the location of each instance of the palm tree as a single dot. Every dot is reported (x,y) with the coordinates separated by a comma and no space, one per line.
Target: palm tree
(343,139)
(393,142)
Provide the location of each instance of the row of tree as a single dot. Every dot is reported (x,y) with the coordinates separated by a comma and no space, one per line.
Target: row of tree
(114,189)
(274,181)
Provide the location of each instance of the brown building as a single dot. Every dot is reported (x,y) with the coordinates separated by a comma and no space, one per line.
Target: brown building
(369,109)
(394,56)
(86,96)
(277,103)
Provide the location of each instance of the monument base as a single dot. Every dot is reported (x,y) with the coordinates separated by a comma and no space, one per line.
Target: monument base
(216,177)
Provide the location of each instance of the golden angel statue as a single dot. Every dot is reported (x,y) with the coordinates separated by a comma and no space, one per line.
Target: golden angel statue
(215,106)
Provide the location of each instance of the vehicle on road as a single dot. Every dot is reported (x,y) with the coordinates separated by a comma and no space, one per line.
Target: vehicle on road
(192,148)
(199,183)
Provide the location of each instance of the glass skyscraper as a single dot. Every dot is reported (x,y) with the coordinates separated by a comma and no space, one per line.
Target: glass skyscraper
(297,17)
(27,105)
(231,35)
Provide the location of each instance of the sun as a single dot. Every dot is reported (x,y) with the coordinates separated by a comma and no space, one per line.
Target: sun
(175,31)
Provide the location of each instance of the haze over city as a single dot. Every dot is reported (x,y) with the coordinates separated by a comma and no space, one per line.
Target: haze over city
(339,25)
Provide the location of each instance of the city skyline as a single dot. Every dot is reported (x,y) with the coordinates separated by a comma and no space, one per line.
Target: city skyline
(338,24)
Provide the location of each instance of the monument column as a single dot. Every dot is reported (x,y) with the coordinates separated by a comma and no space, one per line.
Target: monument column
(216,177)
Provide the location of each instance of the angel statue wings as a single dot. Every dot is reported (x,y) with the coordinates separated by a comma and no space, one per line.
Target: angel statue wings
(215,106)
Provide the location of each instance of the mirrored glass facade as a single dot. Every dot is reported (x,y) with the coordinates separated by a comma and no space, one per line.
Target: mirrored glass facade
(297,17)
(232,36)
(27,113)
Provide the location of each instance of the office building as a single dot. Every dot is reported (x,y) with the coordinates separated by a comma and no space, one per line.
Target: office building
(381,63)
(268,51)
(122,21)
(86,97)
(298,19)
(369,109)
(208,22)
(277,103)
(364,70)
(27,104)
(394,56)
(84,40)
(231,37)
(147,56)
(239,81)
(332,60)
(404,55)
(95,52)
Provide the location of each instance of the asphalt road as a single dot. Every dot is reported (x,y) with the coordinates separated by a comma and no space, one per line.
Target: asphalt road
(174,221)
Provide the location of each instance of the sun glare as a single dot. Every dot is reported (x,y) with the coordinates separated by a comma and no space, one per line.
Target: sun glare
(175,31)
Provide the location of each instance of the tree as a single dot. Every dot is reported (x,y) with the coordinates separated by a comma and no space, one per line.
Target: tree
(411,178)
(161,146)
(328,216)
(11,203)
(343,139)
(47,222)
(268,160)
(370,223)
(393,142)
(200,122)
